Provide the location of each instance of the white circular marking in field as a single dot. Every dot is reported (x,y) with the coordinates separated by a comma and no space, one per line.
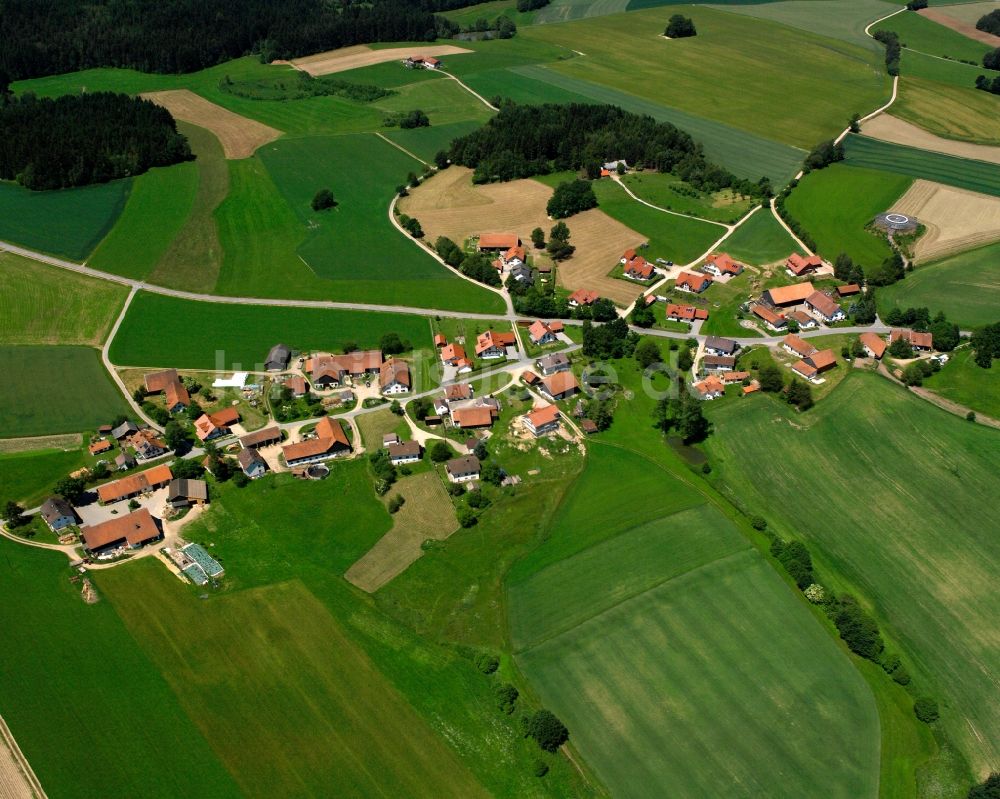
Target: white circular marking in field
(897,219)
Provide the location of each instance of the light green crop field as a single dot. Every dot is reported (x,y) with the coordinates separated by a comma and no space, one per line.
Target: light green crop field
(839,19)
(444,102)
(949,109)
(165,331)
(295,718)
(837,75)
(512,83)
(27,477)
(638,631)
(42,304)
(668,191)
(893,472)
(919,33)
(835,204)
(192,260)
(55,389)
(760,240)
(965,286)
(956,73)
(673,238)
(565,10)
(123,738)
(159,203)
(425,143)
(862,151)
(744,154)
(962,381)
(68,223)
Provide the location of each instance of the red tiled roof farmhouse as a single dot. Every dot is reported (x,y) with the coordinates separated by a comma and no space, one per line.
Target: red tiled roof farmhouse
(134,528)
(458,391)
(135,484)
(328,433)
(724,263)
(798,346)
(583,297)
(822,360)
(798,265)
(475,416)
(790,295)
(874,344)
(158,381)
(498,241)
(560,383)
(822,303)
(176,393)
(543,415)
(849,289)
(639,267)
(694,282)
(685,313)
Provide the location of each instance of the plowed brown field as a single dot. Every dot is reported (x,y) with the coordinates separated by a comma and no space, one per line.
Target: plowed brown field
(895,130)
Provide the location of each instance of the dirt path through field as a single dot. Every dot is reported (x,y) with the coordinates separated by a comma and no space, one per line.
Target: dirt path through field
(239,135)
(960,26)
(956,219)
(363,56)
(17,779)
(891,129)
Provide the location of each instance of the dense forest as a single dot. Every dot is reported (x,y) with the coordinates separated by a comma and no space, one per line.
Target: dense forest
(522,141)
(80,139)
(44,37)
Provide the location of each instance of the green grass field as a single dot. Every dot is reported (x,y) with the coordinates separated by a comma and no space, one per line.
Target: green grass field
(427,142)
(42,304)
(744,154)
(893,471)
(164,331)
(837,75)
(835,204)
(946,104)
(961,172)
(760,240)
(68,223)
(673,238)
(102,721)
(27,477)
(668,191)
(965,286)
(55,389)
(639,621)
(193,259)
(961,381)
(916,32)
(839,19)
(157,206)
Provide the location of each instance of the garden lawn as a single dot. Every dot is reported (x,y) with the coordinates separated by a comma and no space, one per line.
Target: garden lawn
(961,172)
(949,109)
(42,304)
(159,203)
(671,237)
(724,301)
(962,381)
(835,204)
(165,331)
(837,75)
(674,633)
(670,192)
(925,568)
(965,286)
(55,389)
(113,744)
(760,240)
(68,223)
(290,703)
(744,154)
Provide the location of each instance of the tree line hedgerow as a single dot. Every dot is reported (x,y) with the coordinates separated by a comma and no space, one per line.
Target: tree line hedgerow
(87,138)
(522,141)
(46,37)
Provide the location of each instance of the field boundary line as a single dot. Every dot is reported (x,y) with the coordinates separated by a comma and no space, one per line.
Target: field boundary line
(27,772)
(473,92)
(747,547)
(402,149)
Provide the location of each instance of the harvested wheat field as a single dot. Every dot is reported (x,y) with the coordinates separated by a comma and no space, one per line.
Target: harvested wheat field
(17,779)
(363,56)
(942,17)
(427,513)
(956,219)
(240,136)
(889,128)
(450,205)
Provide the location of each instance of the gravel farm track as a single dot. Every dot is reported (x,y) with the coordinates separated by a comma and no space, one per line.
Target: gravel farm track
(240,136)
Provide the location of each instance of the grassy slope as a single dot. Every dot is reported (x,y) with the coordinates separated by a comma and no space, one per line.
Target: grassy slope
(54,389)
(760,240)
(41,304)
(163,331)
(281,717)
(427,142)
(964,173)
(662,190)
(673,238)
(75,220)
(919,33)
(965,286)
(835,204)
(951,110)
(192,260)
(27,477)
(836,75)
(926,570)
(963,382)
(607,590)
(157,206)
(99,719)
(838,19)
